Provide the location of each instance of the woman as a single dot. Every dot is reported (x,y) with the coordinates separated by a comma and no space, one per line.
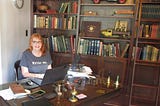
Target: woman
(36,59)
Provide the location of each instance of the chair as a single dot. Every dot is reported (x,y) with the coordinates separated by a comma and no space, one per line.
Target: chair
(18,72)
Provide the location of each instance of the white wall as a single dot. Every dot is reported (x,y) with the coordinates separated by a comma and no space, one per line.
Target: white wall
(13,41)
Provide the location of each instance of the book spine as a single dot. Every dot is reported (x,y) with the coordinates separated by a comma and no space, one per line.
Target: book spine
(35,21)
(85,50)
(64,43)
(81,46)
(69,7)
(89,47)
(51,43)
(154,30)
(138,52)
(125,50)
(154,55)
(146,31)
(75,7)
(61,8)
(92,47)
(110,50)
(100,48)
(148,52)
(72,42)
(97,50)
(68,45)
(143,55)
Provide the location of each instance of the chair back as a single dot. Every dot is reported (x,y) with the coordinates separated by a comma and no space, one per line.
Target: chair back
(18,72)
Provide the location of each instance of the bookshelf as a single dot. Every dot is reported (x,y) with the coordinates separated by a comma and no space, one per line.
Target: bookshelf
(145,83)
(57,18)
(56,21)
(106,32)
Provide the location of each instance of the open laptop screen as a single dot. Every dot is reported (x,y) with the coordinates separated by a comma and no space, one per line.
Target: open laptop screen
(52,75)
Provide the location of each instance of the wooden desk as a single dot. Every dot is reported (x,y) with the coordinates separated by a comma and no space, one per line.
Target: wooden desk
(95,94)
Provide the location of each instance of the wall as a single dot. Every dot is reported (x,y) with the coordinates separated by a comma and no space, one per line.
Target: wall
(13,40)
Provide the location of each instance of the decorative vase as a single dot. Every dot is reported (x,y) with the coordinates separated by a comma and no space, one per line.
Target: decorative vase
(42,8)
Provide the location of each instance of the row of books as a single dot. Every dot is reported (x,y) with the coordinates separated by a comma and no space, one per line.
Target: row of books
(147,53)
(151,31)
(69,7)
(63,44)
(115,50)
(60,43)
(99,48)
(55,22)
(89,47)
(150,11)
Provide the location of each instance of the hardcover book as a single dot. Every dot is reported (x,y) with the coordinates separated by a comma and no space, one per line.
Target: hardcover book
(125,50)
(17,88)
(91,28)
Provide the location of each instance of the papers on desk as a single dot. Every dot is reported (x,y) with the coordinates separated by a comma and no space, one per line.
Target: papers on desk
(85,72)
(8,94)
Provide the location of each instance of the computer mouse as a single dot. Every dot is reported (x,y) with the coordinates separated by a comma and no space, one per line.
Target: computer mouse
(30,83)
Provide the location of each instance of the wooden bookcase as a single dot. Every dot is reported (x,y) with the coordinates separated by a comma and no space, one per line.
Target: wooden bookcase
(57,19)
(104,16)
(145,84)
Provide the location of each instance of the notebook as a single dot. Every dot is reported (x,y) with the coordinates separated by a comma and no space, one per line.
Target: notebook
(51,76)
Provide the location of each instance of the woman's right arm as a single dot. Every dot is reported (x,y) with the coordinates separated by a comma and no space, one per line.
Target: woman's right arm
(27,74)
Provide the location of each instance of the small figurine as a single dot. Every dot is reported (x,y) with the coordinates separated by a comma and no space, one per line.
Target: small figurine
(108,81)
(59,90)
(73,97)
(117,82)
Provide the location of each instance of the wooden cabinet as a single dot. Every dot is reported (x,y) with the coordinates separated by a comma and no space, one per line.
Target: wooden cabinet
(99,65)
(145,85)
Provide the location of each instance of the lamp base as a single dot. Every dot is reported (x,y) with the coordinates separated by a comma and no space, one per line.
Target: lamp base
(73,99)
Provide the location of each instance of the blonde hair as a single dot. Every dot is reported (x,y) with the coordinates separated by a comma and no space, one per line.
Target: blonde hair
(38,36)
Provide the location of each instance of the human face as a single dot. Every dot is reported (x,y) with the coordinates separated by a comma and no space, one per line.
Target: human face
(36,44)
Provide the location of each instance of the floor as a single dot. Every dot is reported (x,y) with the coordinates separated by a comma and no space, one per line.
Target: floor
(122,100)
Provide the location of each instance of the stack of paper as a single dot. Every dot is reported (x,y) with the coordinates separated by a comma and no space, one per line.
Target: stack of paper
(14,91)
(85,72)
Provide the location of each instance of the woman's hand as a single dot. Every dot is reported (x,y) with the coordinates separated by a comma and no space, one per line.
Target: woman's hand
(39,76)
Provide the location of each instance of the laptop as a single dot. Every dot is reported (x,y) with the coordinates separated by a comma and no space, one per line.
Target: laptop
(51,76)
